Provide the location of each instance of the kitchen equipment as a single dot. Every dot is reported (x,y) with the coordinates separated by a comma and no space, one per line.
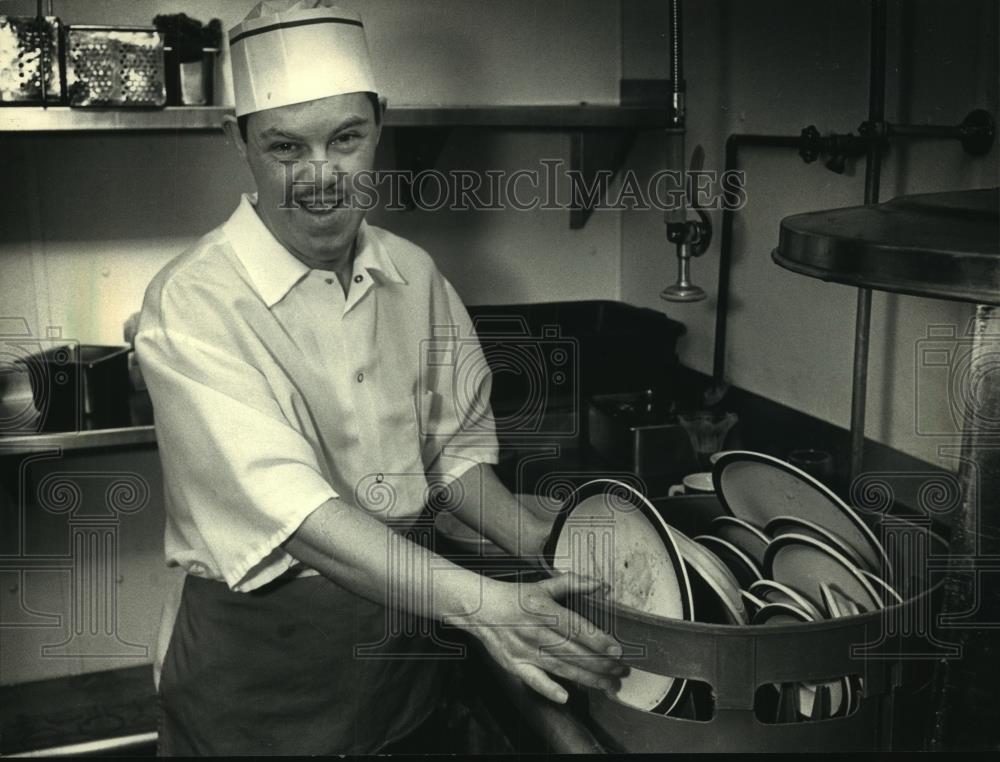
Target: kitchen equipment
(608,531)
(548,359)
(691,237)
(191,50)
(817,463)
(735,662)
(693,484)
(838,692)
(79,386)
(944,245)
(639,432)
(707,430)
(115,66)
(190,83)
(758,487)
(30,52)
(808,563)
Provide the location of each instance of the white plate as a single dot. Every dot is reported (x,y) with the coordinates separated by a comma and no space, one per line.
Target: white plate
(699,483)
(714,573)
(807,563)
(758,487)
(781,613)
(740,564)
(752,602)
(714,457)
(780,525)
(608,531)
(837,603)
(743,535)
(775,592)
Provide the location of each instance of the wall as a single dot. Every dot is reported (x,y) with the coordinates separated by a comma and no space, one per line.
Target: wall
(122,584)
(86,220)
(773,67)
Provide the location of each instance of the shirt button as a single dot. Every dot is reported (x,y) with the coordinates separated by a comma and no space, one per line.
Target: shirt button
(379,477)
(358,278)
(329,281)
(361,377)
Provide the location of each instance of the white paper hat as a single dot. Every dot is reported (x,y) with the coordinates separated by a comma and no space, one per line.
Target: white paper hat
(292,51)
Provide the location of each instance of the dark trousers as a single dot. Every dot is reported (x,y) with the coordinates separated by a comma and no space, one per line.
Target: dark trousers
(301,666)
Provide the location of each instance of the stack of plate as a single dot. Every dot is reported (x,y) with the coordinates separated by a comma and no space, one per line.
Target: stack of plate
(790,551)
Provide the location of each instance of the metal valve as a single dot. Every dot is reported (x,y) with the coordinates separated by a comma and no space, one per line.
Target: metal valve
(692,238)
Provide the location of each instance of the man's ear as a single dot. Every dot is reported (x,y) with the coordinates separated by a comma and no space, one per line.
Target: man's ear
(232,129)
(382,104)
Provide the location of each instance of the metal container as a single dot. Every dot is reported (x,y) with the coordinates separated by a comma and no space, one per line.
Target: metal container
(30,47)
(115,66)
(191,83)
(633,431)
(80,387)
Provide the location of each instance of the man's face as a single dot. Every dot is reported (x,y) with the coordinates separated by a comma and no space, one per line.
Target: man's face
(304,158)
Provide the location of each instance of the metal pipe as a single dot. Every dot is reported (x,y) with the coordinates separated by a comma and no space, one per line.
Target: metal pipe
(923,131)
(873,174)
(677,86)
(102,746)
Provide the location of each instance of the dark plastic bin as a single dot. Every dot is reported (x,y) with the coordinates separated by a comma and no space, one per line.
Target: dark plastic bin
(736,661)
(548,358)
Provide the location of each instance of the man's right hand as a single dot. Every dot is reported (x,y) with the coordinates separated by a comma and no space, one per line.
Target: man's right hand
(531,635)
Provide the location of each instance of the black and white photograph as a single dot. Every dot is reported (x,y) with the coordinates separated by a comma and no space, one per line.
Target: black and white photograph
(499,377)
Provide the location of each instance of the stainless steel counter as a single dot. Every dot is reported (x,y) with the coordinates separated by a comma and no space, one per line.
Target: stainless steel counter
(78,440)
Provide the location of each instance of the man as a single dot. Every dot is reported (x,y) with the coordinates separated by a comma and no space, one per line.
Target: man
(299,428)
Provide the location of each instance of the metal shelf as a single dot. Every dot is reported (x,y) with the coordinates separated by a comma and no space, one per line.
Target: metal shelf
(77,440)
(601,134)
(65,119)
(936,245)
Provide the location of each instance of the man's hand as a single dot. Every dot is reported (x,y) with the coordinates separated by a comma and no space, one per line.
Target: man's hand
(529,634)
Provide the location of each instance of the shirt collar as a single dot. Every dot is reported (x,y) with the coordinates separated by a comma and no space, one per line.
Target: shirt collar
(373,256)
(274,270)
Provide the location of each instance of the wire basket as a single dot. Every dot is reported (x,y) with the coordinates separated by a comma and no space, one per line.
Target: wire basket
(29,60)
(115,66)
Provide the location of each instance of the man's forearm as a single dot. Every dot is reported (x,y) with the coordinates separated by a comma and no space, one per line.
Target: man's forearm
(369,558)
(488,507)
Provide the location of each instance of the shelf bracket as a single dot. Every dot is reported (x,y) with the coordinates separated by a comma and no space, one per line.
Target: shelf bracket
(417,149)
(596,156)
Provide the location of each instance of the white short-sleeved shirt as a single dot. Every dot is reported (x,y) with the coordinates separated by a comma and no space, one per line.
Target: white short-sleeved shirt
(273,392)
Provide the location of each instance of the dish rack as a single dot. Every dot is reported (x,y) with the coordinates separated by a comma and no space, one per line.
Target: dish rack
(730,663)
